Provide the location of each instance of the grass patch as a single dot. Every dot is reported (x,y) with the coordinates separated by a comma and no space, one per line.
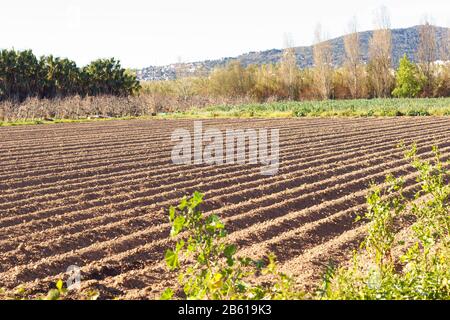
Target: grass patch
(340,108)
(56,121)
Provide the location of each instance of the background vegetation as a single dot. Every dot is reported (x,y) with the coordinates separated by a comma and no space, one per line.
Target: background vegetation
(427,77)
(23,75)
(235,84)
(38,88)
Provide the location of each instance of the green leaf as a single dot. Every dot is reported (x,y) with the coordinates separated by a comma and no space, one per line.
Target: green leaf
(172,259)
(201,258)
(179,245)
(213,223)
(59,285)
(245,261)
(53,294)
(259,264)
(191,246)
(93,294)
(229,250)
(178,225)
(20,291)
(197,199)
(167,294)
(171,213)
(183,203)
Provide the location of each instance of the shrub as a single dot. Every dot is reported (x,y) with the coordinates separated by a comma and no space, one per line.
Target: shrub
(407,80)
(420,112)
(423,270)
(208,266)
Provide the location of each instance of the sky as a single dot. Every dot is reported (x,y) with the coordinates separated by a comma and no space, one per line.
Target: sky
(141,33)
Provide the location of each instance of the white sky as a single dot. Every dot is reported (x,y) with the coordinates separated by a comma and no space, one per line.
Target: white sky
(142,33)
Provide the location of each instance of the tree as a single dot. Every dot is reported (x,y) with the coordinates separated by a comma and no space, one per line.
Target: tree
(288,70)
(323,64)
(22,75)
(380,51)
(427,55)
(444,51)
(446,45)
(61,77)
(352,59)
(19,74)
(407,82)
(233,80)
(267,82)
(107,77)
(184,84)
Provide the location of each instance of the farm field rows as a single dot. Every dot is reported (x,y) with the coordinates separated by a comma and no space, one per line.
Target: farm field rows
(96,195)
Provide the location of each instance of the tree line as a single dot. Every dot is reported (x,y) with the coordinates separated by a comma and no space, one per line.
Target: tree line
(23,75)
(355,79)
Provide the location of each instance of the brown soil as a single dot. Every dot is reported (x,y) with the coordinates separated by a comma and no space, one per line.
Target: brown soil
(96,195)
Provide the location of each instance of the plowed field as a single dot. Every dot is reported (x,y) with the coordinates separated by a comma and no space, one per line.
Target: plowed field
(96,195)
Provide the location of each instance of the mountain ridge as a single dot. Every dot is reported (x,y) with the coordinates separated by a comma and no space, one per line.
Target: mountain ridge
(404,41)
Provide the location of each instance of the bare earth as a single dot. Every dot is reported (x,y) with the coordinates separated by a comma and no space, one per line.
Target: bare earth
(96,195)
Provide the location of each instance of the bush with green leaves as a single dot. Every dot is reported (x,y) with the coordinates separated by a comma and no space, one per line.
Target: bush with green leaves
(408,84)
(208,265)
(423,268)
